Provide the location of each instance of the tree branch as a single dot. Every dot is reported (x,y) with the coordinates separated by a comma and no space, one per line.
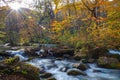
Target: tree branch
(86,5)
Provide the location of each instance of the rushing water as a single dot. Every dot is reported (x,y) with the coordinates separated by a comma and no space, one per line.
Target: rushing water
(19,53)
(59,68)
(114,51)
(54,66)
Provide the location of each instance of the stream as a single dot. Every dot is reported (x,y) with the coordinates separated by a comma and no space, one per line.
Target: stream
(59,68)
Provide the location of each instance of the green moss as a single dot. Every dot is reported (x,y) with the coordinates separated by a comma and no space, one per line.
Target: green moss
(11,61)
(24,72)
(81,54)
(115,56)
(28,71)
(100,60)
(114,66)
(13,66)
(111,63)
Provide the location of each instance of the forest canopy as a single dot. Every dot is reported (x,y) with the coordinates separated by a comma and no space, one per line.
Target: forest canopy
(77,23)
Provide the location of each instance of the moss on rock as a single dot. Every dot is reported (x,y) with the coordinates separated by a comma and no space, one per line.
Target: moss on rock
(106,62)
(14,66)
(11,61)
(29,71)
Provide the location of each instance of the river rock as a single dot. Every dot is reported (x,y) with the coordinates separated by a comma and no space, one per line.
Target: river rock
(76,72)
(46,75)
(108,62)
(30,52)
(67,56)
(34,52)
(5,54)
(61,52)
(97,52)
(51,78)
(80,55)
(115,56)
(80,66)
(59,58)
(96,71)
(91,60)
(50,65)
(64,69)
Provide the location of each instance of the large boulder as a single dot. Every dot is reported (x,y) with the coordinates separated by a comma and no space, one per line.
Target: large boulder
(62,52)
(106,62)
(76,72)
(97,52)
(30,51)
(10,61)
(114,56)
(15,66)
(27,70)
(41,52)
(8,64)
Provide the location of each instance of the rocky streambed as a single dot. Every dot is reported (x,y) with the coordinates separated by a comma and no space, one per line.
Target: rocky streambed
(66,70)
(25,67)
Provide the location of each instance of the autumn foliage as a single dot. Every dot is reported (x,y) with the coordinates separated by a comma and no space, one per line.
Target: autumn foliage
(70,22)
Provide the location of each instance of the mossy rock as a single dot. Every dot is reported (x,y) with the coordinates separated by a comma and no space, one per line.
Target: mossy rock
(80,66)
(79,56)
(12,77)
(14,66)
(115,56)
(111,63)
(31,51)
(97,52)
(91,60)
(61,52)
(28,70)
(7,65)
(11,61)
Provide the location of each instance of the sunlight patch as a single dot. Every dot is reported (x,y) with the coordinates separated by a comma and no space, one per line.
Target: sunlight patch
(15,6)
